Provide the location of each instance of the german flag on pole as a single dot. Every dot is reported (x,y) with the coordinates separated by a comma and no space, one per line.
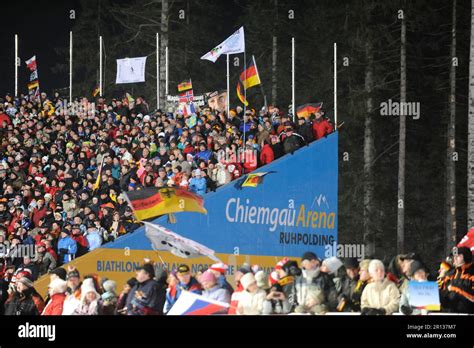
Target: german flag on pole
(248,78)
(307,109)
(185,86)
(255,179)
(153,202)
(33,85)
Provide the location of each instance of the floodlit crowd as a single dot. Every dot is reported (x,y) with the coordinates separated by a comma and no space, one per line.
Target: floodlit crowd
(53,200)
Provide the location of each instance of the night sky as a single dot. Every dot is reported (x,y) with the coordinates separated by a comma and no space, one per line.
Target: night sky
(42,26)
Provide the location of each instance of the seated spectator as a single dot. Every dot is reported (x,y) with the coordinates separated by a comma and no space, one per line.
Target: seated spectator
(381,296)
(185,282)
(458,294)
(417,273)
(212,290)
(252,298)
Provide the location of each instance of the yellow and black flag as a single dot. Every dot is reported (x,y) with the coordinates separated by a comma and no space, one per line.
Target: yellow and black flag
(96,91)
(248,78)
(153,202)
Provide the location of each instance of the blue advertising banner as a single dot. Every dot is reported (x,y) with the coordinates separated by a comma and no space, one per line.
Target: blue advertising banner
(294,210)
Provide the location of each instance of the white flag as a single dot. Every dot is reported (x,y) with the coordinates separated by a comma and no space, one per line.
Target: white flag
(232,45)
(163,239)
(130,70)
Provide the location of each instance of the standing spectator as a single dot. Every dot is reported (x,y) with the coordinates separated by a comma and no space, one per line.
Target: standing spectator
(67,247)
(292,141)
(322,126)
(381,296)
(43,259)
(239,289)
(305,130)
(57,294)
(198,184)
(145,298)
(266,156)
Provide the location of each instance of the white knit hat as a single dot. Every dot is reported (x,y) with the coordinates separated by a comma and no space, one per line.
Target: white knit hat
(87,287)
(247,280)
(333,264)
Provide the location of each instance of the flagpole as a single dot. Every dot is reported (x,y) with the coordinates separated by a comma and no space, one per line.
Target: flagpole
(293,106)
(228,86)
(157,71)
(16,65)
(70,66)
(335,84)
(167,72)
(245,93)
(100,67)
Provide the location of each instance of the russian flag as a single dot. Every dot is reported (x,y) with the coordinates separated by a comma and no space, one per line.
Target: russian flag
(192,304)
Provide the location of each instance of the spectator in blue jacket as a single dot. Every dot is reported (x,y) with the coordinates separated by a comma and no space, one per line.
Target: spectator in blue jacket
(185,282)
(67,247)
(198,184)
(203,154)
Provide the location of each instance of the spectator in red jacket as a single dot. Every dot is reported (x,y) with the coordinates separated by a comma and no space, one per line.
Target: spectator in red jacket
(322,126)
(57,293)
(266,156)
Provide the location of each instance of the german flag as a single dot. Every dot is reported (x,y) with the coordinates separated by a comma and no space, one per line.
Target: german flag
(152,202)
(248,78)
(307,110)
(33,85)
(255,179)
(185,86)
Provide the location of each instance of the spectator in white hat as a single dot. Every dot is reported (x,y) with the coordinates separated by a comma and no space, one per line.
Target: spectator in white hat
(252,298)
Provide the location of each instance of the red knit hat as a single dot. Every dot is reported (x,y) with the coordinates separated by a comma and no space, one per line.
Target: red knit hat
(219,267)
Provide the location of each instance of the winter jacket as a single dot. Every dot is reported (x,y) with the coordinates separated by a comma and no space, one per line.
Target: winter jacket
(46,264)
(217,293)
(152,301)
(321,280)
(381,295)
(198,186)
(173,293)
(55,305)
(21,304)
(266,156)
(322,128)
(293,143)
(67,249)
(251,303)
(306,132)
(349,297)
(72,302)
(458,293)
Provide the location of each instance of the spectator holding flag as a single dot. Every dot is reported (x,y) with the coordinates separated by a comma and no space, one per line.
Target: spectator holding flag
(185,282)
